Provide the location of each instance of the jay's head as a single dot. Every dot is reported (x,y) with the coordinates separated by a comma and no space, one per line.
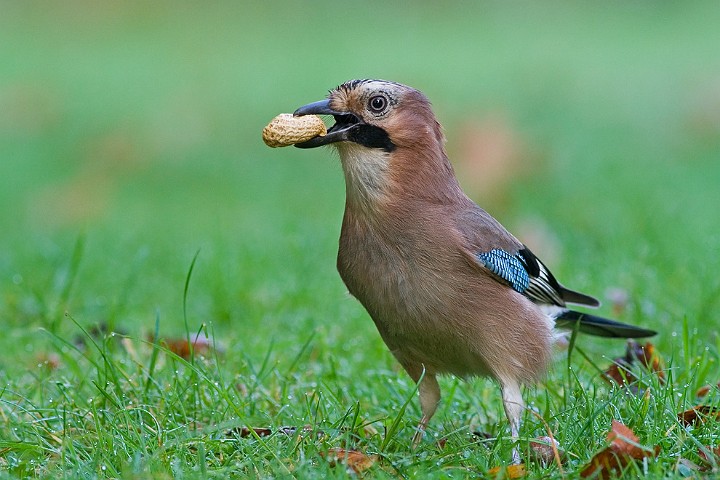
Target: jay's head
(376,114)
(389,141)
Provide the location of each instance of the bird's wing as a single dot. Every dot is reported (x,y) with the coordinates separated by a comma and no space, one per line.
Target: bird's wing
(527,275)
(524,273)
(512,263)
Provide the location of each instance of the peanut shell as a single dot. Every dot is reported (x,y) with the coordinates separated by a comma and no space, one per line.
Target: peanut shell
(286,129)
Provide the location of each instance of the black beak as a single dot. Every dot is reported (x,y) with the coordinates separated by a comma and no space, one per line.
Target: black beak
(345,123)
(316,108)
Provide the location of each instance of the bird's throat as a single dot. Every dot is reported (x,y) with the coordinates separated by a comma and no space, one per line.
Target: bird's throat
(367,175)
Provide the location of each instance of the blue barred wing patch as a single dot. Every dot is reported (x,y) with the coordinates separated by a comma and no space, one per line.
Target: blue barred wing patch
(506,266)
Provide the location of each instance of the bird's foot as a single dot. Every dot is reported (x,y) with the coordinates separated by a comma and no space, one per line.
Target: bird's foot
(419,432)
(417,439)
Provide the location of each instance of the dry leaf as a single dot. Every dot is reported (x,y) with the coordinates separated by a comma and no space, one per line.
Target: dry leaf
(623,440)
(511,471)
(620,371)
(354,461)
(696,414)
(711,456)
(49,361)
(705,389)
(202,344)
(614,374)
(622,450)
(543,450)
(245,432)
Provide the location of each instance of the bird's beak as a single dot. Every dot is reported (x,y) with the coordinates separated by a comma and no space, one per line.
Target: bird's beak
(345,123)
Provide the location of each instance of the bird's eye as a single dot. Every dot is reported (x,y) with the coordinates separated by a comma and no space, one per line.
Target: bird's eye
(377,104)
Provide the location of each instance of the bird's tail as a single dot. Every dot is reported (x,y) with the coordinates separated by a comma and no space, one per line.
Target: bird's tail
(599,326)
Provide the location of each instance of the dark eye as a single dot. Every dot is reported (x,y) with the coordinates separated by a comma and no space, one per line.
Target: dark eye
(377,103)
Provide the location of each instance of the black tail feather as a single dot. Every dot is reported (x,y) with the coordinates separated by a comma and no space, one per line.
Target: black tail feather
(599,326)
(571,296)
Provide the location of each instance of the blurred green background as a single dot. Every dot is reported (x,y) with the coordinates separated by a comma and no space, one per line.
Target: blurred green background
(130,138)
(135,127)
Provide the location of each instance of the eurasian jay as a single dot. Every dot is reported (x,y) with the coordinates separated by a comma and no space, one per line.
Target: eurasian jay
(448,287)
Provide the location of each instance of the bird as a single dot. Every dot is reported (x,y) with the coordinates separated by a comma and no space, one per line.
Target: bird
(450,290)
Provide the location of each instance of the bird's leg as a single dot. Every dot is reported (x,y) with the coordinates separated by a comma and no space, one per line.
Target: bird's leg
(429,392)
(514,406)
(420,432)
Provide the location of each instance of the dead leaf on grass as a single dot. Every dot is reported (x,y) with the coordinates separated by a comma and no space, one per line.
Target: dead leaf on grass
(355,461)
(543,450)
(246,432)
(623,449)
(711,456)
(201,345)
(48,360)
(510,471)
(620,372)
(697,414)
(705,389)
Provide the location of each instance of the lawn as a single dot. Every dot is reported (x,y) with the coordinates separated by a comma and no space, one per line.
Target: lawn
(139,208)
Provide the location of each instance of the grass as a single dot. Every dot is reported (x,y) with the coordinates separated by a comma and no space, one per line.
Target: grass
(129,142)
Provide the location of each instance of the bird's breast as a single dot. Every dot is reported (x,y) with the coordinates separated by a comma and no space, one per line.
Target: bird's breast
(431,306)
(407,276)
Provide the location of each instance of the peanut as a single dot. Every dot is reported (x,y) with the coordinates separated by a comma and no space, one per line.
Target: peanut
(285,129)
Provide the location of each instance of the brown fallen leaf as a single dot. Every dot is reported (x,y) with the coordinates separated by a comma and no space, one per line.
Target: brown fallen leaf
(245,432)
(543,450)
(698,413)
(620,372)
(201,343)
(510,471)
(48,361)
(711,456)
(705,389)
(622,450)
(623,439)
(355,461)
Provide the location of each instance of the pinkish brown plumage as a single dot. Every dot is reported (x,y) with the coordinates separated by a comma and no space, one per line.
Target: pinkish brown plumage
(449,289)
